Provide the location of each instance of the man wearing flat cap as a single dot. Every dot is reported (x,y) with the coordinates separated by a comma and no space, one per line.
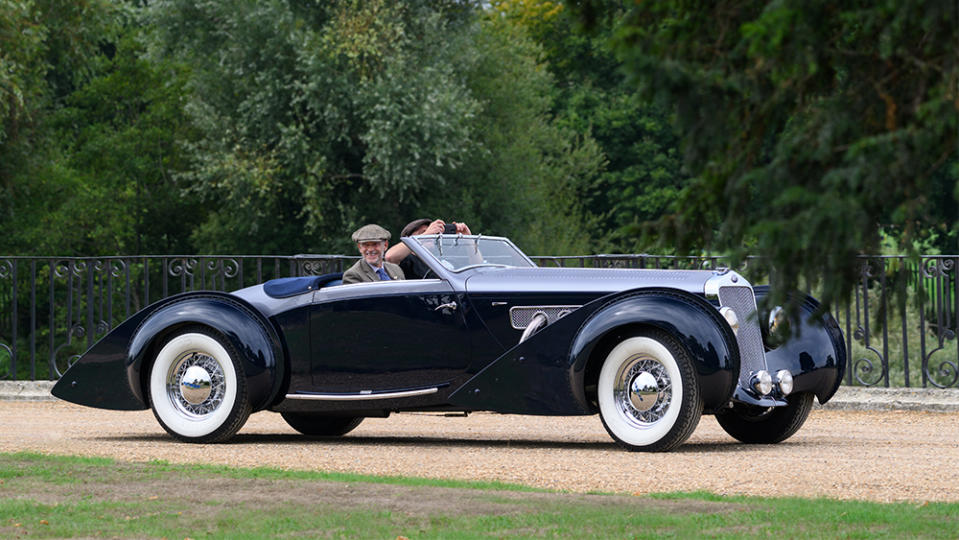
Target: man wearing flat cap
(372,241)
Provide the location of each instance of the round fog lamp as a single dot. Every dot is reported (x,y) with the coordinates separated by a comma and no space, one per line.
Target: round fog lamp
(762,382)
(731,318)
(785,381)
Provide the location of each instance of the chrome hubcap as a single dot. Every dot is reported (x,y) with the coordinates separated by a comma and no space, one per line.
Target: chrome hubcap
(196,384)
(643,390)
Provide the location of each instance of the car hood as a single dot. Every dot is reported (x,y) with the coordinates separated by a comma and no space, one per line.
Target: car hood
(585,280)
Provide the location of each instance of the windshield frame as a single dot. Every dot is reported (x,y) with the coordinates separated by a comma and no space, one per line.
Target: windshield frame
(435,264)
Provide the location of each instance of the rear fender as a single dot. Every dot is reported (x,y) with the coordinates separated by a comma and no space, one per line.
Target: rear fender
(690,319)
(98,378)
(246,329)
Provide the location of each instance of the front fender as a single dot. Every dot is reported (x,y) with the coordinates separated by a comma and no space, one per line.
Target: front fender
(548,373)
(815,354)
(249,332)
(692,320)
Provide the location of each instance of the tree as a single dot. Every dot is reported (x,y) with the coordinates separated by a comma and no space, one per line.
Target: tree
(526,180)
(642,175)
(809,126)
(21,71)
(318,118)
(48,52)
(120,139)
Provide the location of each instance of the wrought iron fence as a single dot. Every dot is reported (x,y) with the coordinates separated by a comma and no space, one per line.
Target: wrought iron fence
(900,325)
(54,308)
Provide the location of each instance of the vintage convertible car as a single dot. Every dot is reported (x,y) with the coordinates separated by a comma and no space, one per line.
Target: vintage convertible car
(485,330)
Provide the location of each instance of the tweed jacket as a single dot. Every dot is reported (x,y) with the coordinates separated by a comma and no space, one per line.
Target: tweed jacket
(363,272)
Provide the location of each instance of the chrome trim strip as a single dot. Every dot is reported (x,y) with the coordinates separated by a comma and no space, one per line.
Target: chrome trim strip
(382,288)
(364,395)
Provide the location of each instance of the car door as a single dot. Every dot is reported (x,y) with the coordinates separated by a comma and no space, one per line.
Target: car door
(387,336)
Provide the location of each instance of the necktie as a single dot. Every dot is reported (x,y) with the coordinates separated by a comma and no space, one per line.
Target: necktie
(383,275)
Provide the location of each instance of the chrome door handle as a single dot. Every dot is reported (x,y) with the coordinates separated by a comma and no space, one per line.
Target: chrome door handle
(451,305)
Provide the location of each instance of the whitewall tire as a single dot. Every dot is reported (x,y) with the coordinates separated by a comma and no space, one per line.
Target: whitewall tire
(197,387)
(648,396)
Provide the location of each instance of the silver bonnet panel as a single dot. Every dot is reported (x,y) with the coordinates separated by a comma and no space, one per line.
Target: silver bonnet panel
(589,280)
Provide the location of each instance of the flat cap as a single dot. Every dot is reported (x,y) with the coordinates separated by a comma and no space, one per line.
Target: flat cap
(371,233)
(413,225)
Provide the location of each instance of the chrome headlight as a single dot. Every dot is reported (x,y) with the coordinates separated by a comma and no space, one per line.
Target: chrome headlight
(775,319)
(762,382)
(785,381)
(778,329)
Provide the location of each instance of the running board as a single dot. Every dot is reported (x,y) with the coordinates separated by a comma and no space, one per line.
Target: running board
(364,395)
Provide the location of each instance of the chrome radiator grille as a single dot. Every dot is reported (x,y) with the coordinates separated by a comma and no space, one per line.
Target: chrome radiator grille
(750,337)
(520,316)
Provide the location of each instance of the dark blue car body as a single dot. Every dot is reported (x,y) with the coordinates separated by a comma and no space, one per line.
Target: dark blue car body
(474,336)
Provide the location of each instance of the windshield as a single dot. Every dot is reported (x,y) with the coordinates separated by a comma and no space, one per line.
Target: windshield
(457,252)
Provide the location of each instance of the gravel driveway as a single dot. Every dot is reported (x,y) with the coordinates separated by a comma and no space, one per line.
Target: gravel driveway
(875,455)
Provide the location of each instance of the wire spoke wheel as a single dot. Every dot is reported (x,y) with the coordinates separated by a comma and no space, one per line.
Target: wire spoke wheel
(648,395)
(196,384)
(197,389)
(643,390)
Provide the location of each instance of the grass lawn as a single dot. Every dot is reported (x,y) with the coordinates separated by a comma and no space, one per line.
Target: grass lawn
(63,497)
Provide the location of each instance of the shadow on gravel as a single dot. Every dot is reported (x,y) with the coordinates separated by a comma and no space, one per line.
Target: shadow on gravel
(424,442)
(291,439)
(735,447)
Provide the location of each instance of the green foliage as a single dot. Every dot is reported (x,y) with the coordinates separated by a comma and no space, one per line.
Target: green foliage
(45,51)
(294,124)
(525,180)
(317,119)
(21,69)
(113,145)
(809,125)
(88,147)
(642,176)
